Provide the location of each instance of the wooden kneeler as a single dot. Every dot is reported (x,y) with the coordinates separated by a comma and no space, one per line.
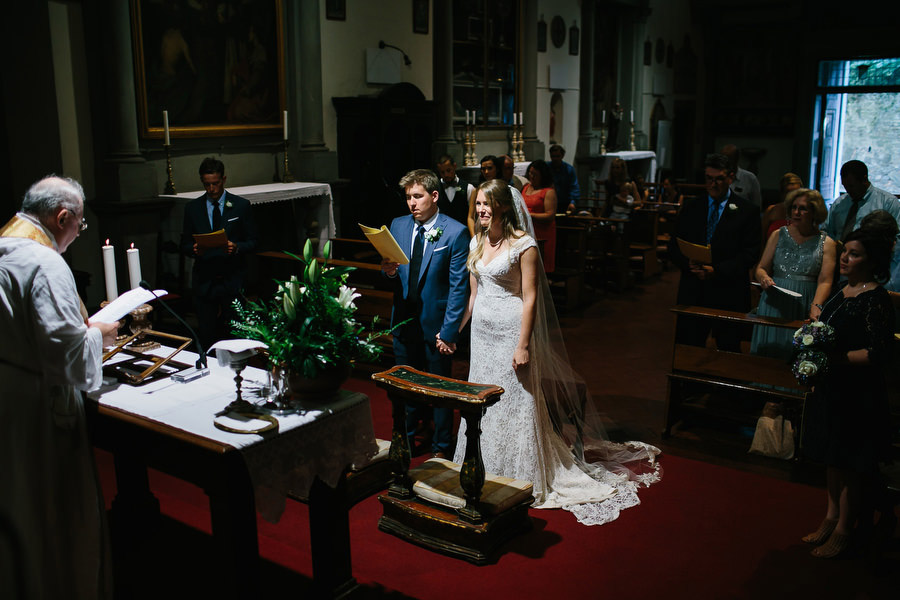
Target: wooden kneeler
(457,510)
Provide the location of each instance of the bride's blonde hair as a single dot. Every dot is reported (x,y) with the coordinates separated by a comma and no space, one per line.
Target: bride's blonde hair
(499,196)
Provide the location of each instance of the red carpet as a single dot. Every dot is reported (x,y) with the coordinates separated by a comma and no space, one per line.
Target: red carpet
(703,532)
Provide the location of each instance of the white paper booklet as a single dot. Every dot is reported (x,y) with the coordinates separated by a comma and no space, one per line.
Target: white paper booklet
(125,303)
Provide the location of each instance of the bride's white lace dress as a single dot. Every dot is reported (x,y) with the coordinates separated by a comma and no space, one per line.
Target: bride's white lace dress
(518,438)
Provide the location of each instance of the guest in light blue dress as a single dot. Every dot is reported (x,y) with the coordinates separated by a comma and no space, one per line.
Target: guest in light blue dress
(800,258)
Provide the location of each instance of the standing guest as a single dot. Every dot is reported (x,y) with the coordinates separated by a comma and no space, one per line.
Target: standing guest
(729,224)
(509,174)
(847,422)
(775,217)
(432,290)
(744,183)
(49,495)
(550,435)
(540,198)
(491,168)
(453,200)
(860,199)
(798,257)
(564,179)
(218,274)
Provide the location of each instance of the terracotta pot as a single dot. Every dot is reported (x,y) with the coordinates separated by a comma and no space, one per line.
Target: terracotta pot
(321,387)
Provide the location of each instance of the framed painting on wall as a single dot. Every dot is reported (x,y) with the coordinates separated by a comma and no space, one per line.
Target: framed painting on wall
(217,69)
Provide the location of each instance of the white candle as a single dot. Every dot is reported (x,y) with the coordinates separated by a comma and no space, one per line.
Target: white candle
(603,121)
(166,126)
(467,116)
(632,116)
(521,122)
(514,119)
(134,266)
(109,272)
(285,126)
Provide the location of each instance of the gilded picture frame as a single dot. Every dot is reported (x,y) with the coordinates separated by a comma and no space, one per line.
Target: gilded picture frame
(217,70)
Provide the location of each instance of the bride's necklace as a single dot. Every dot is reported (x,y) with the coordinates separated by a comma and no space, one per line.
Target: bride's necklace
(493,243)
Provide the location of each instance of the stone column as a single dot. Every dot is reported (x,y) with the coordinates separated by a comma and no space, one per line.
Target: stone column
(126,173)
(315,161)
(533,147)
(586,83)
(442,78)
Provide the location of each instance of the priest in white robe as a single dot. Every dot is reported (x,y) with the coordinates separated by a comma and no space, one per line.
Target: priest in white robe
(53,542)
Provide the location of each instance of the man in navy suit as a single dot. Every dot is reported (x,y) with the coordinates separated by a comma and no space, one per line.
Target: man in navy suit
(432,290)
(218,272)
(731,226)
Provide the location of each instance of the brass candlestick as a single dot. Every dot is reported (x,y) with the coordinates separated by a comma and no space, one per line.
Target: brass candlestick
(287,177)
(603,130)
(170,185)
(520,152)
(631,138)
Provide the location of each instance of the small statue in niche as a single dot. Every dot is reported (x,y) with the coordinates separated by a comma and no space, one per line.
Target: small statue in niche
(612,142)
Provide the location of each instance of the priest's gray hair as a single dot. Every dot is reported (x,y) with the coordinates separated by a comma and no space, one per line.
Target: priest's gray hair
(45,197)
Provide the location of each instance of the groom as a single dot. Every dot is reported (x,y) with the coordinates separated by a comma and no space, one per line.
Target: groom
(432,290)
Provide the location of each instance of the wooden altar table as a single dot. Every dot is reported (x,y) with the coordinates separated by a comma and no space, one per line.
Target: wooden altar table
(169,426)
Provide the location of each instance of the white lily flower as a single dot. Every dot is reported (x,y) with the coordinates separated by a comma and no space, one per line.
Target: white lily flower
(346,297)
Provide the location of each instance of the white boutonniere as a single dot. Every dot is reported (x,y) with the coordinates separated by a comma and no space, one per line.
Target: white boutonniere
(458,188)
(228,204)
(732,206)
(434,235)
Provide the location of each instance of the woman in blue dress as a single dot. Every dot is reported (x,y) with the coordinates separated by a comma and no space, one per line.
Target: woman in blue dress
(800,258)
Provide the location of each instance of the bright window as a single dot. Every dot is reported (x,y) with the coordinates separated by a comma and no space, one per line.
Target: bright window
(857,116)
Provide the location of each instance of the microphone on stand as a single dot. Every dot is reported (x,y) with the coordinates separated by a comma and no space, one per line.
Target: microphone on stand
(200,368)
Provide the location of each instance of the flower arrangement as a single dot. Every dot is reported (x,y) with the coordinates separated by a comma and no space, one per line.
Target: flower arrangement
(812,343)
(309,325)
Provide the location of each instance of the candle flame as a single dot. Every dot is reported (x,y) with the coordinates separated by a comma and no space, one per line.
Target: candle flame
(132,245)
(107,241)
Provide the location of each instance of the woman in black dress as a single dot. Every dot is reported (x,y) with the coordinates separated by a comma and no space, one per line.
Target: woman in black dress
(846,423)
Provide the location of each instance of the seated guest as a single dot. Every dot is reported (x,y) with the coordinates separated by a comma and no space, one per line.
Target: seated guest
(775,217)
(847,421)
(540,198)
(669,193)
(453,199)
(618,176)
(800,258)
(623,202)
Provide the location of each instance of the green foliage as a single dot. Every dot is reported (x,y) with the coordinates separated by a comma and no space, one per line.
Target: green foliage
(309,324)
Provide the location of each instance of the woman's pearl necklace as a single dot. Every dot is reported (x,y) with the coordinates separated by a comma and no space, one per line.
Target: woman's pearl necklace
(493,243)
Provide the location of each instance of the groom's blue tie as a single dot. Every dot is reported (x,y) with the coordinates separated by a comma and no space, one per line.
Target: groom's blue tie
(415,265)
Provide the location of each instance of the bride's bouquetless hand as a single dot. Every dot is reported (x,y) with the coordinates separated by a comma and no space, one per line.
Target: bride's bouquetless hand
(521,358)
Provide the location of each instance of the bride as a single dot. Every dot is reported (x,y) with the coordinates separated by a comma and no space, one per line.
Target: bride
(544,429)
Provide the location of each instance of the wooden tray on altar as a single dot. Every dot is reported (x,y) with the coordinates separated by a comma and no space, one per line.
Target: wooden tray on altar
(142,367)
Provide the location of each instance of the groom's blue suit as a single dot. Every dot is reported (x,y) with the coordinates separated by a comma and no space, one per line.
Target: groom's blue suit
(444,293)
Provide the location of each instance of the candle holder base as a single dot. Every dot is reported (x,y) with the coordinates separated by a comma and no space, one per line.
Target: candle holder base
(170,185)
(140,322)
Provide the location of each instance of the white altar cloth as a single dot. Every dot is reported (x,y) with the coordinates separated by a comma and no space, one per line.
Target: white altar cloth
(321,442)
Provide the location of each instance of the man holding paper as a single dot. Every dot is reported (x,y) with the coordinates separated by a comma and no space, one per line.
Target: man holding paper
(48,352)
(730,226)
(432,289)
(219,232)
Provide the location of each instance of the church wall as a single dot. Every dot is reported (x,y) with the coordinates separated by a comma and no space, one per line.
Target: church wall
(344,45)
(556,65)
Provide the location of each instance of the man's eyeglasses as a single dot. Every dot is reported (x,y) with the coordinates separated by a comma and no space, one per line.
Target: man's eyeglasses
(720,179)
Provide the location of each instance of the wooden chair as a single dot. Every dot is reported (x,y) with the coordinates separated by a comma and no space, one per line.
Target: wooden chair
(458,510)
(571,245)
(696,368)
(641,236)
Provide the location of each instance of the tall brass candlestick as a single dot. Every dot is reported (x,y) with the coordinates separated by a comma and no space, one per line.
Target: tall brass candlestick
(631,138)
(170,185)
(603,140)
(286,177)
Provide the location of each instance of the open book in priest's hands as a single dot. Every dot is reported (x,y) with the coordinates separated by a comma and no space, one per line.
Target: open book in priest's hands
(385,243)
(125,303)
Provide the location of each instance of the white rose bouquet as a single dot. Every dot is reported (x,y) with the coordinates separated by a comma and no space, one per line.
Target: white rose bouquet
(811,342)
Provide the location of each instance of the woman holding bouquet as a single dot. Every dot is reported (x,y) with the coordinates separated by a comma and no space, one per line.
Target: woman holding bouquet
(847,419)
